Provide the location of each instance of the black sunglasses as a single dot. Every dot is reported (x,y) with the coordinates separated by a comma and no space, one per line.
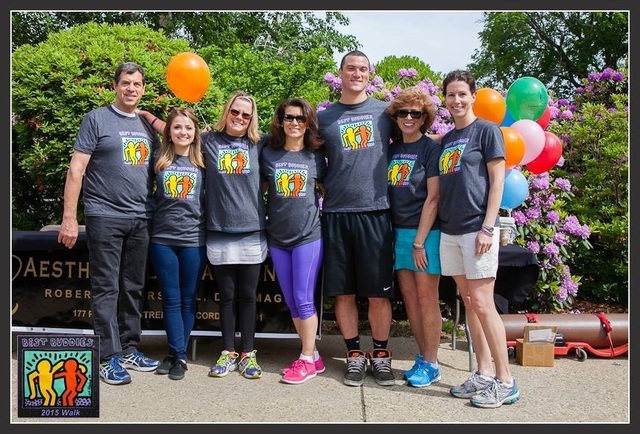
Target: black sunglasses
(245,116)
(415,114)
(290,118)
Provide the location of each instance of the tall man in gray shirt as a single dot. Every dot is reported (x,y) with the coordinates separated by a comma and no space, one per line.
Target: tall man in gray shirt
(111,155)
(356,222)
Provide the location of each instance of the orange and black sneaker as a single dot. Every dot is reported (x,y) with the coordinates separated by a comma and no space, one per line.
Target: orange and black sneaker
(356,368)
(380,360)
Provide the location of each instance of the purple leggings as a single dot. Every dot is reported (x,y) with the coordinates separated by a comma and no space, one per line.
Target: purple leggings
(297,269)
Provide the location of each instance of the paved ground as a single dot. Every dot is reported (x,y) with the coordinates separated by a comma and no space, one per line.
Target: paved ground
(593,391)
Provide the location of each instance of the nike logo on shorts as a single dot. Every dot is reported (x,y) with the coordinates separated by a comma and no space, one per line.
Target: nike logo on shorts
(386,288)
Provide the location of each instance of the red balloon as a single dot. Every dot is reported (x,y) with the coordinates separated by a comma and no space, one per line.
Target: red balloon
(188,76)
(514,146)
(544,118)
(489,105)
(549,157)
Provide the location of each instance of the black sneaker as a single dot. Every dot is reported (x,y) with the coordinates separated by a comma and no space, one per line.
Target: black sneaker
(356,368)
(380,360)
(177,370)
(165,366)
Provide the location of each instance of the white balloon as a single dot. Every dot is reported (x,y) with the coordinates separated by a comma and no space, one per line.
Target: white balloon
(533,136)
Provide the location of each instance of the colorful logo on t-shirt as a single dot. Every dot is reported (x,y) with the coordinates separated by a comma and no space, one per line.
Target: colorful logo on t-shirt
(136,151)
(399,170)
(233,161)
(357,135)
(291,182)
(449,161)
(178,185)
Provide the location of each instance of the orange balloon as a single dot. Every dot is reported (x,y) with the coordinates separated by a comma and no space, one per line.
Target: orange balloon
(490,105)
(188,76)
(514,146)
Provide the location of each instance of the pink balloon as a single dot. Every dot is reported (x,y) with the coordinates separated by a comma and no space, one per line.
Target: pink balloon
(533,136)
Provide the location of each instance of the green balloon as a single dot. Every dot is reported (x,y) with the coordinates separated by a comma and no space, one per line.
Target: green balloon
(527,98)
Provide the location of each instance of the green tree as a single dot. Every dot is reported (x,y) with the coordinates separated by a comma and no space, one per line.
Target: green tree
(558,48)
(288,31)
(388,69)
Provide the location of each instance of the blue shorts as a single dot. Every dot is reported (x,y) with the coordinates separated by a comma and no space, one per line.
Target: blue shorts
(404,239)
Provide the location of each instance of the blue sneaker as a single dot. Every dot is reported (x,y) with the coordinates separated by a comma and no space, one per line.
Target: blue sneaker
(414,368)
(249,367)
(496,394)
(138,362)
(112,372)
(425,375)
(227,362)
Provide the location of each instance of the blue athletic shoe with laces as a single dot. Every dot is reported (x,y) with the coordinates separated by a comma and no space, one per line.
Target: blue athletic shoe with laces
(112,372)
(138,362)
(425,375)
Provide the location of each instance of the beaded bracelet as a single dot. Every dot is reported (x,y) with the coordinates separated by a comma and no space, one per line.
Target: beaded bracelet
(486,232)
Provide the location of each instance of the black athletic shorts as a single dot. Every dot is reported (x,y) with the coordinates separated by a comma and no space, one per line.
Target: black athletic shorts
(358,254)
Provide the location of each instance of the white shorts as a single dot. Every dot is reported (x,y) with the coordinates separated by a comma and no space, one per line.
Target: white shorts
(458,256)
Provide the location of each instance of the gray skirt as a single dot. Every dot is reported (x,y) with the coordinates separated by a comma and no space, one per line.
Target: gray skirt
(239,248)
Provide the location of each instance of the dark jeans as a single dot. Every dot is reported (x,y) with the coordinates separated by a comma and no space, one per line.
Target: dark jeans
(179,270)
(117,266)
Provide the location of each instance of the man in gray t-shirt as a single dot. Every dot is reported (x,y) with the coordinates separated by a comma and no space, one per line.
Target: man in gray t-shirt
(110,165)
(356,221)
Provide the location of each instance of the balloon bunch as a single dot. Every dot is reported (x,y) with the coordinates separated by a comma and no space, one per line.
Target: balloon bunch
(523,117)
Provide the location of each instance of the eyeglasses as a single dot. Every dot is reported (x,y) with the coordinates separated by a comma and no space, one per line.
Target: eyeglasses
(235,113)
(291,118)
(415,114)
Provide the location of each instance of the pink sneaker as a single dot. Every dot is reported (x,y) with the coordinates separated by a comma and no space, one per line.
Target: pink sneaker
(320,368)
(299,372)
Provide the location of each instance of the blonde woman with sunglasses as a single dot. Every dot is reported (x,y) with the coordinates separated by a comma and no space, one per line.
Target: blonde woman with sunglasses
(236,239)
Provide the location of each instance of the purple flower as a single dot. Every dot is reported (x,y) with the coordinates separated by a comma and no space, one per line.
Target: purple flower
(323,105)
(606,74)
(377,81)
(540,182)
(563,184)
(329,77)
(566,115)
(568,285)
(560,239)
(550,201)
(553,217)
(519,218)
(533,213)
(533,246)
(551,250)
(572,226)
(617,76)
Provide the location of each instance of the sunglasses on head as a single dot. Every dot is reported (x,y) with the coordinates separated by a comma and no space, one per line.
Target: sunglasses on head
(245,116)
(415,114)
(291,118)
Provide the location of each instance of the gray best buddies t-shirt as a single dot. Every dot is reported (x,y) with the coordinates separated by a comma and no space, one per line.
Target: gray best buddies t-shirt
(118,178)
(464,180)
(292,202)
(356,139)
